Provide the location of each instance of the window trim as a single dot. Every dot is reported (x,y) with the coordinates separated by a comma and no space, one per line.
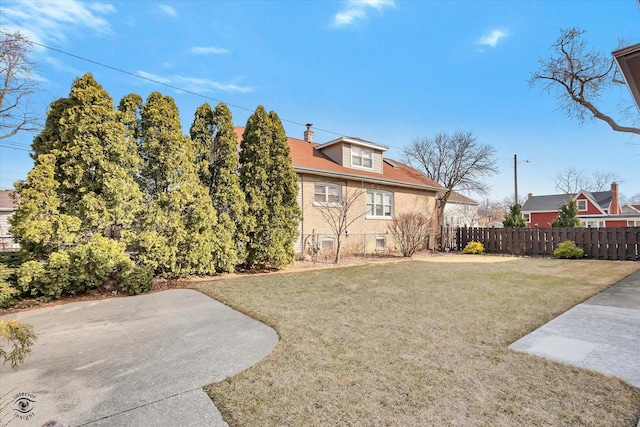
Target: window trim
(527,217)
(362,151)
(326,202)
(384,245)
(586,205)
(371,212)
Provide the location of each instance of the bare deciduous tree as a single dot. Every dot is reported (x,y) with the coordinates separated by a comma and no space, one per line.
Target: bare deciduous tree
(455,161)
(340,215)
(578,75)
(601,181)
(411,231)
(572,180)
(17,83)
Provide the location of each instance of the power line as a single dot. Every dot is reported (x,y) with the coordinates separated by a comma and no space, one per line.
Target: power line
(120,70)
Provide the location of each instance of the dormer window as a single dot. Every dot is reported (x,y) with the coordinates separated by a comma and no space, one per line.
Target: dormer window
(361,157)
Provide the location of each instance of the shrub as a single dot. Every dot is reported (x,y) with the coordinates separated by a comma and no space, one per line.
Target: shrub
(31,278)
(136,281)
(411,231)
(97,261)
(568,250)
(473,248)
(51,279)
(21,338)
(7,292)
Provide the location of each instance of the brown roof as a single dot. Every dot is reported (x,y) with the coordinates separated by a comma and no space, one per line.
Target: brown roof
(306,158)
(455,197)
(6,202)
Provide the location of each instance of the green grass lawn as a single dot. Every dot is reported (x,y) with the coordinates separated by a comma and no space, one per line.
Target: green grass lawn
(419,343)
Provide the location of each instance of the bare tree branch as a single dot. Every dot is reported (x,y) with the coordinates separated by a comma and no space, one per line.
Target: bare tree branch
(572,180)
(458,162)
(16,84)
(578,75)
(340,215)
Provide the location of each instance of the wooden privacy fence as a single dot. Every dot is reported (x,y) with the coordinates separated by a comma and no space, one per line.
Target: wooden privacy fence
(615,243)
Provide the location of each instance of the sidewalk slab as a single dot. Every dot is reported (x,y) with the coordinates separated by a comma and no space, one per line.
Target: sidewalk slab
(601,334)
(134,361)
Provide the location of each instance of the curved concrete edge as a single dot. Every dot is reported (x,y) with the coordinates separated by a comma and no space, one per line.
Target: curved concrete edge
(119,361)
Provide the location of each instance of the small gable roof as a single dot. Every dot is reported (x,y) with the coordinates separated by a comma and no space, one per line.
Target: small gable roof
(354,141)
(308,158)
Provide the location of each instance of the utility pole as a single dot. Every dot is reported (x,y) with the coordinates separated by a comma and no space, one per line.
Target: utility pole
(515,176)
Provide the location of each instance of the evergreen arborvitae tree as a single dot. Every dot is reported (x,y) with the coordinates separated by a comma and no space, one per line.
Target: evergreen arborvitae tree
(228,198)
(129,110)
(95,159)
(270,186)
(285,212)
(202,130)
(178,226)
(514,219)
(567,215)
(38,224)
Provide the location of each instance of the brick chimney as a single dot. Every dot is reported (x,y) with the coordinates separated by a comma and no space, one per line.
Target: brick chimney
(308,134)
(614,209)
(530,195)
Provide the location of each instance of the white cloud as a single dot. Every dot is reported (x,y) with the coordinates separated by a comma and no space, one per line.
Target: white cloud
(206,50)
(195,84)
(358,9)
(492,38)
(51,21)
(169,10)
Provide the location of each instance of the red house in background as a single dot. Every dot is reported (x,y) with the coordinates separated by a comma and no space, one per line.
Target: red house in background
(595,209)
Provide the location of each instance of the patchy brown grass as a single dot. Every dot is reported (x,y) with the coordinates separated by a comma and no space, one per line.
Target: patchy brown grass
(419,343)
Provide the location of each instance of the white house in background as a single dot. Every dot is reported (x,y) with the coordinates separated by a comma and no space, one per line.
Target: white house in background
(460,211)
(7,207)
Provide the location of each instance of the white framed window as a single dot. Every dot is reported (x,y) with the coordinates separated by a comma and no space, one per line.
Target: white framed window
(592,223)
(361,157)
(379,204)
(327,243)
(527,217)
(632,223)
(327,194)
(381,243)
(582,205)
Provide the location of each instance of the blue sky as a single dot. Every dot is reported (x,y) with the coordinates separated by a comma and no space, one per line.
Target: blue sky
(385,71)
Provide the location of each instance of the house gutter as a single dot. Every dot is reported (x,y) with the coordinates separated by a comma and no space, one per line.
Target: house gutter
(353,177)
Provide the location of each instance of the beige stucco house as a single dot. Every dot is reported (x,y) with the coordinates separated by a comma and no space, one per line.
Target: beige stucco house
(353,172)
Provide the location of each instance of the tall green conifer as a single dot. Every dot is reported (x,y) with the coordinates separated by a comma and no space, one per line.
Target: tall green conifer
(270,186)
(178,227)
(285,212)
(202,130)
(38,223)
(95,159)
